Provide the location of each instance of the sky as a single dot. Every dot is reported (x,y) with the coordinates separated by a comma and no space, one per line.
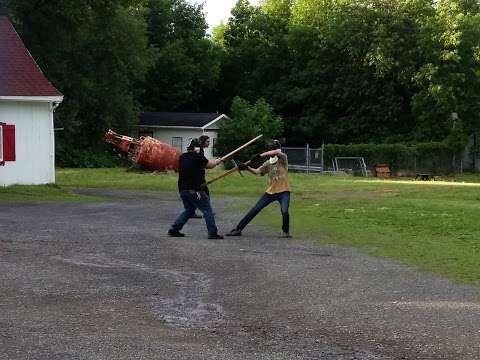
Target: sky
(218,10)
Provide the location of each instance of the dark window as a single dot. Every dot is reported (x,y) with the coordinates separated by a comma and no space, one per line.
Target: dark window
(214,147)
(177,142)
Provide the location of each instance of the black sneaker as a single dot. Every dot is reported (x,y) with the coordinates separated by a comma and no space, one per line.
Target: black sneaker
(285,235)
(235,232)
(215,236)
(174,233)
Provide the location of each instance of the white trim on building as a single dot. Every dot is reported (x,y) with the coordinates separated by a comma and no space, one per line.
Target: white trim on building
(51,99)
(214,121)
(167,134)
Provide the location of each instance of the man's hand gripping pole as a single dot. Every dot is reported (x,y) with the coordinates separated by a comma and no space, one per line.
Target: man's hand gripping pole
(229,155)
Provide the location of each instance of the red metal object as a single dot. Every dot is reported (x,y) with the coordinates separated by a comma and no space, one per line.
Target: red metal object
(146,151)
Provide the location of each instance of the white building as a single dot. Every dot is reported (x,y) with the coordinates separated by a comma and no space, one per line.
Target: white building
(176,129)
(27,102)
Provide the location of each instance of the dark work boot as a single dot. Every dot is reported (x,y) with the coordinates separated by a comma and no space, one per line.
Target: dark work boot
(174,233)
(235,232)
(215,236)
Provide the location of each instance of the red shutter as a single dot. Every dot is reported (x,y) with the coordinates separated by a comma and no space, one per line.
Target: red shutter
(2,162)
(8,142)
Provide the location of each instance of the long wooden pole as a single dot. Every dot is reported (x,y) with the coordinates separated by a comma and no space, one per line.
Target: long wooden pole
(230,154)
(225,173)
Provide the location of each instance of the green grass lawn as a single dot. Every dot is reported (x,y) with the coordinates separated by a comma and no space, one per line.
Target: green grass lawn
(432,225)
(32,193)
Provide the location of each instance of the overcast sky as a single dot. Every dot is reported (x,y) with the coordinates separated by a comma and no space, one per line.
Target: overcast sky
(218,10)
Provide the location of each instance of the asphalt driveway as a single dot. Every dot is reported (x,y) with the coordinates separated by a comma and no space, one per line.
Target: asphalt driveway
(103,281)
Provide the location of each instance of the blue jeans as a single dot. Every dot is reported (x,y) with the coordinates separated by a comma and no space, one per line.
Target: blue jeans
(283,198)
(195,200)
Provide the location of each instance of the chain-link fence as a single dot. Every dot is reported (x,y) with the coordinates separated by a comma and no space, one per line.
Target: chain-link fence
(305,159)
(315,160)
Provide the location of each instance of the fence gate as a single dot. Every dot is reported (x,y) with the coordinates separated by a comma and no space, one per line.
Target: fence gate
(305,159)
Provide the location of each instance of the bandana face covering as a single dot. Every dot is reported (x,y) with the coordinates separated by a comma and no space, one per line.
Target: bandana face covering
(274,168)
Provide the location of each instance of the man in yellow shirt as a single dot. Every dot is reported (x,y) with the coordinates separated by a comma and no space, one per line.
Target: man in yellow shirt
(276,167)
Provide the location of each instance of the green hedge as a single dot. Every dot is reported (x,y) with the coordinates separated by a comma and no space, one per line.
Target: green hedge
(432,156)
(88,158)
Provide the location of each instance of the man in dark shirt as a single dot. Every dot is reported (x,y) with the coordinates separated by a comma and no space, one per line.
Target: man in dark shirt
(191,177)
(204,143)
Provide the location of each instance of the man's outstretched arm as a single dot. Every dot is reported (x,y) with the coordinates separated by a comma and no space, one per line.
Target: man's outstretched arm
(213,163)
(258,171)
(271,153)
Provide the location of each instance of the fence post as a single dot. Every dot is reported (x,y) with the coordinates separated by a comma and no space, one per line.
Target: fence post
(307,158)
(474,158)
(321,159)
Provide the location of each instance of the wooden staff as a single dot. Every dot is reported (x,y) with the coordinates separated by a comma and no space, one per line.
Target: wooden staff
(230,154)
(226,157)
(225,173)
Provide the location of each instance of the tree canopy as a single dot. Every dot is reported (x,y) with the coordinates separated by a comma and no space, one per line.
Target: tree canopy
(339,71)
(113,59)
(246,122)
(356,70)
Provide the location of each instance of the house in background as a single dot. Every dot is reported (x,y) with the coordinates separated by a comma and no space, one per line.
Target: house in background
(27,103)
(176,129)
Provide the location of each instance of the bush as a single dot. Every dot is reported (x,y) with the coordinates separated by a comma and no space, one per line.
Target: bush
(391,154)
(88,158)
(429,156)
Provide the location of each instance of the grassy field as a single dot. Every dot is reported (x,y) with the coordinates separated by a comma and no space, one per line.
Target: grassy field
(29,193)
(432,225)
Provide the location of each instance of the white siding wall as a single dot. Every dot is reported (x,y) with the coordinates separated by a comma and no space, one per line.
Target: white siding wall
(208,152)
(34,141)
(166,135)
(212,132)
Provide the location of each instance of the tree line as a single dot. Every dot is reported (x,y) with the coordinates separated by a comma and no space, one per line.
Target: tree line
(336,71)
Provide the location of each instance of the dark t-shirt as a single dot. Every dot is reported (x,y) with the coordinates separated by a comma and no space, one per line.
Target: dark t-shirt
(191,174)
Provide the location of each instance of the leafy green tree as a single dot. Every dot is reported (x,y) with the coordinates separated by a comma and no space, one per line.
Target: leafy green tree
(218,34)
(341,71)
(254,53)
(3,8)
(353,68)
(246,122)
(282,9)
(94,52)
(187,65)
(345,70)
(449,80)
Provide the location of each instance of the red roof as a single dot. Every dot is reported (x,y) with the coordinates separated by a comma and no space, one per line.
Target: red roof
(19,73)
